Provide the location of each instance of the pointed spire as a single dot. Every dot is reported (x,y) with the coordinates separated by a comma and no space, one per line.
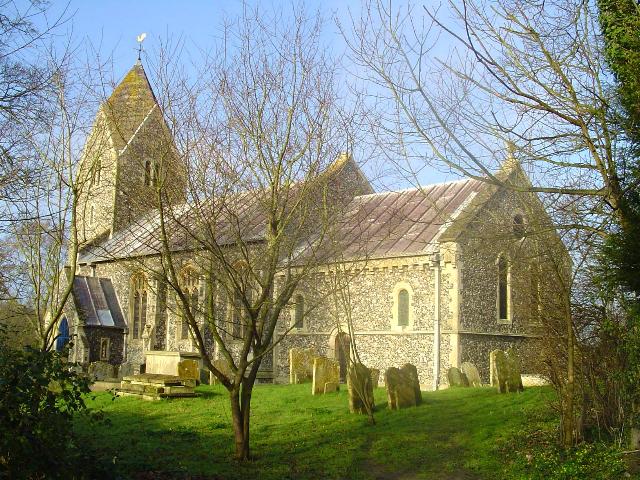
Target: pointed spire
(130,103)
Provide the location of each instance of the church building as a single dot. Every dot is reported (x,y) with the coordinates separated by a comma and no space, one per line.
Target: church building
(438,275)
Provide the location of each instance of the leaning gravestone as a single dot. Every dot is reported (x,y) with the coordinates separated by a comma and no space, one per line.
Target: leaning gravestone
(189,372)
(472,374)
(507,371)
(412,373)
(375,377)
(325,371)
(457,378)
(330,387)
(400,392)
(101,371)
(360,388)
(301,365)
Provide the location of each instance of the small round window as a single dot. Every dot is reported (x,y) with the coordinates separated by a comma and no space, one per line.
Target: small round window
(518,226)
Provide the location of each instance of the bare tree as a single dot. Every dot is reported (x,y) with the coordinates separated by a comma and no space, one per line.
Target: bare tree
(260,133)
(530,76)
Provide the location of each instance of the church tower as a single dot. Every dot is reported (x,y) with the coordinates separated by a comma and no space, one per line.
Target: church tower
(129,157)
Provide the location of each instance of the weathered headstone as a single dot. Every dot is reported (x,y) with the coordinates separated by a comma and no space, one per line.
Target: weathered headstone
(493,377)
(301,365)
(412,372)
(400,392)
(205,376)
(188,369)
(223,366)
(375,377)
(457,378)
(360,388)
(331,387)
(507,371)
(127,369)
(101,370)
(325,370)
(472,374)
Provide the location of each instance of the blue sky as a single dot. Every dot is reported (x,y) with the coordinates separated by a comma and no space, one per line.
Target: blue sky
(110,27)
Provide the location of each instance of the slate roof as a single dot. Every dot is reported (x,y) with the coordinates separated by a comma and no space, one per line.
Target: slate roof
(376,225)
(96,302)
(408,222)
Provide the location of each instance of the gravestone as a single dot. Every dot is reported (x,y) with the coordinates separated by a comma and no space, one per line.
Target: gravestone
(325,370)
(507,371)
(412,373)
(101,371)
(360,388)
(457,378)
(301,365)
(205,376)
(223,366)
(375,377)
(400,392)
(188,370)
(330,387)
(472,374)
(127,369)
(493,378)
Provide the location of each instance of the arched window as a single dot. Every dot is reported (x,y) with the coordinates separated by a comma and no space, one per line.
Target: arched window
(503,290)
(299,312)
(139,309)
(403,308)
(63,334)
(518,226)
(189,283)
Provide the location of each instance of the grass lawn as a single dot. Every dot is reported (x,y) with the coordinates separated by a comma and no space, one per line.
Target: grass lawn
(455,434)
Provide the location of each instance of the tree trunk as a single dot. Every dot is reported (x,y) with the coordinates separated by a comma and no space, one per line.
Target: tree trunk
(240,413)
(568,417)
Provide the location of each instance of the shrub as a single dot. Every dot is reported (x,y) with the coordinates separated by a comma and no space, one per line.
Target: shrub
(38,398)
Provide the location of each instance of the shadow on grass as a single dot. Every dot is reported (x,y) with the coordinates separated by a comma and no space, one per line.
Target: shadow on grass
(295,435)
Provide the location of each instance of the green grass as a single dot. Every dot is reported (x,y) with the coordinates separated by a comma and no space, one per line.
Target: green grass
(453,434)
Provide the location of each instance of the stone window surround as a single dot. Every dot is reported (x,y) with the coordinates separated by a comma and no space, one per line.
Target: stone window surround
(396,294)
(139,283)
(509,319)
(105,347)
(304,327)
(191,284)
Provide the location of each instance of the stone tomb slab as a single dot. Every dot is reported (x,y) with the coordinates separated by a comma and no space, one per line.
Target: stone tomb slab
(162,362)
(155,386)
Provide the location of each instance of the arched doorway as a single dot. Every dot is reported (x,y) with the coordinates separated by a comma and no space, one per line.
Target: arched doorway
(342,349)
(63,334)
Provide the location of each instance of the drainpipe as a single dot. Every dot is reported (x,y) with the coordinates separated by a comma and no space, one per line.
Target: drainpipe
(436,320)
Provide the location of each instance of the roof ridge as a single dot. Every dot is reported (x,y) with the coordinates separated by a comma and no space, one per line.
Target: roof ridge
(411,189)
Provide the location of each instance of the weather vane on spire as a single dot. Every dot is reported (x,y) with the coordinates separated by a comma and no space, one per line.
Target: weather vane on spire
(141,38)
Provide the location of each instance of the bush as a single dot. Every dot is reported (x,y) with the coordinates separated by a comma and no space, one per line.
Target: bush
(540,457)
(38,398)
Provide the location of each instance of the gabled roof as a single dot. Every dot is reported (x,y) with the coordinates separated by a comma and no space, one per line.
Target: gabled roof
(403,223)
(96,302)
(387,224)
